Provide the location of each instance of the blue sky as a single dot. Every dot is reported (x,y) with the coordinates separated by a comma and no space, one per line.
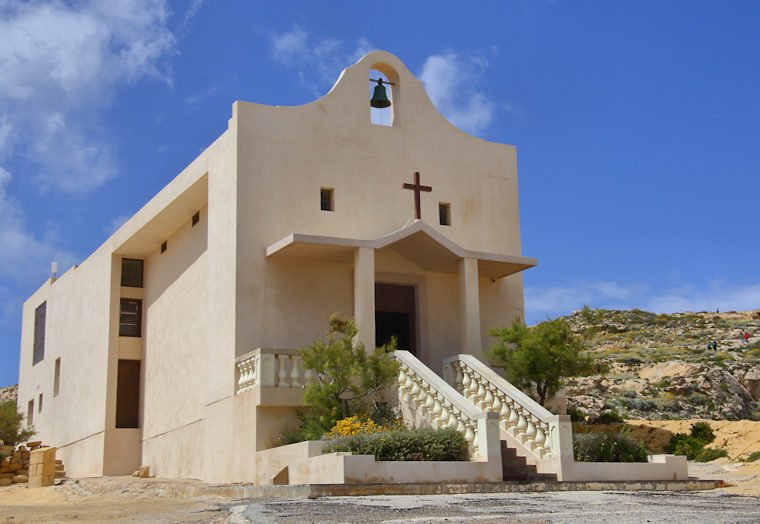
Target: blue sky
(637,126)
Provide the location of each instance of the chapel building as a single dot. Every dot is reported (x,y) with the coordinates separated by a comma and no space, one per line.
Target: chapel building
(174,344)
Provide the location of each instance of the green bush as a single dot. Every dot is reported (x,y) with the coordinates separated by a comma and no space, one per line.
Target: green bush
(10,424)
(755,455)
(608,447)
(683,444)
(609,417)
(702,431)
(708,454)
(411,444)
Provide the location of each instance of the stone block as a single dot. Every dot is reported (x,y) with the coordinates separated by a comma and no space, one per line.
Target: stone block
(42,467)
(143,472)
(7,475)
(34,444)
(5,482)
(18,479)
(41,481)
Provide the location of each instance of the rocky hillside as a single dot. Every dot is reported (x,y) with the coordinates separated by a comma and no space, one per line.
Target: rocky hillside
(8,393)
(660,367)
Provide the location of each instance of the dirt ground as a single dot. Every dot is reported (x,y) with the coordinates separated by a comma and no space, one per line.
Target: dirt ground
(128,499)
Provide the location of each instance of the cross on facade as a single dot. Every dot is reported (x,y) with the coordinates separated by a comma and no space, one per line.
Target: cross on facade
(416,187)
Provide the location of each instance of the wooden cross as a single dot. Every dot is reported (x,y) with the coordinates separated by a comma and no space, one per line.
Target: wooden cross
(416,187)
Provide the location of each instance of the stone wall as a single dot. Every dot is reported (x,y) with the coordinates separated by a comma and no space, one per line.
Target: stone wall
(14,463)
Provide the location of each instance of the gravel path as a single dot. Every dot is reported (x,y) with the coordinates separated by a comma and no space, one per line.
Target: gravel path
(558,507)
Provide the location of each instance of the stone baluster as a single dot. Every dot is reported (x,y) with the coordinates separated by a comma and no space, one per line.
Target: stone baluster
(464,387)
(480,394)
(514,418)
(474,387)
(445,419)
(530,432)
(435,413)
(522,424)
(488,400)
(497,404)
(458,377)
(295,372)
(540,440)
(469,436)
(282,374)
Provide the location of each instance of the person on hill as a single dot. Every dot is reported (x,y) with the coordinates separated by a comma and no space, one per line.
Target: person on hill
(745,337)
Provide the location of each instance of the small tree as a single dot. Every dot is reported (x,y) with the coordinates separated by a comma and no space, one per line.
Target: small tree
(346,376)
(540,356)
(10,424)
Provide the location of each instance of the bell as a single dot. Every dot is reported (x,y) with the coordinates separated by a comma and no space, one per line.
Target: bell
(379,97)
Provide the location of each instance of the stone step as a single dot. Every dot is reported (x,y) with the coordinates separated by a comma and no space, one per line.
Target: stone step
(516,468)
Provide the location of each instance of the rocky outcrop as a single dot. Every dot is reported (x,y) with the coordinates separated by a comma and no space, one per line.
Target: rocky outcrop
(9,393)
(659,366)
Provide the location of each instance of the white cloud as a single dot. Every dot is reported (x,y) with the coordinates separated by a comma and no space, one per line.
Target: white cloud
(561,300)
(60,65)
(318,61)
(24,256)
(450,81)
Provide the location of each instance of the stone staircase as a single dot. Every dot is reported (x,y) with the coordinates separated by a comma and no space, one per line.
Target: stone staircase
(516,468)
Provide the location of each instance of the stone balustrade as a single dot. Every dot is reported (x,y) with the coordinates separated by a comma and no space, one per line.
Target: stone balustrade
(426,399)
(541,432)
(282,368)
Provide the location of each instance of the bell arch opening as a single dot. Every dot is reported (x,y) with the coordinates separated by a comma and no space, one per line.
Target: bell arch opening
(383,92)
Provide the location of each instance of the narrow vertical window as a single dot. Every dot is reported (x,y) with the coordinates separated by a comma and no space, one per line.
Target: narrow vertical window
(57,377)
(30,414)
(39,404)
(326,199)
(444,214)
(130,318)
(39,333)
(131,272)
(196,218)
(163,246)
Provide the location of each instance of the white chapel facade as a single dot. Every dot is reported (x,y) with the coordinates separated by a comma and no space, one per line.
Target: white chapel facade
(294,213)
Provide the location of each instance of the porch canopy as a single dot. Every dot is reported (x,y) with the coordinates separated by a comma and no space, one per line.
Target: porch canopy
(424,246)
(418,242)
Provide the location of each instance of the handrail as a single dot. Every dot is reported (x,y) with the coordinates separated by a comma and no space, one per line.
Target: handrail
(427,398)
(524,419)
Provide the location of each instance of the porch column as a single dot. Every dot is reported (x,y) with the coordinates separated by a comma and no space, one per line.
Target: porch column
(469,300)
(364,296)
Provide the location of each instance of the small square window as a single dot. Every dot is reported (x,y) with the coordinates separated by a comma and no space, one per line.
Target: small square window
(131,272)
(130,318)
(444,214)
(163,246)
(196,218)
(326,199)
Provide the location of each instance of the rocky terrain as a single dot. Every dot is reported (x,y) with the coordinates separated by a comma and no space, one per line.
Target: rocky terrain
(659,367)
(8,393)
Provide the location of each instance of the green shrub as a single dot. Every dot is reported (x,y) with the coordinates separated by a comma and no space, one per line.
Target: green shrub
(708,454)
(609,417)
(411,444)
(702,431)
(10,424)
(576,414)
(683,444)
(608,447)
(755,455)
